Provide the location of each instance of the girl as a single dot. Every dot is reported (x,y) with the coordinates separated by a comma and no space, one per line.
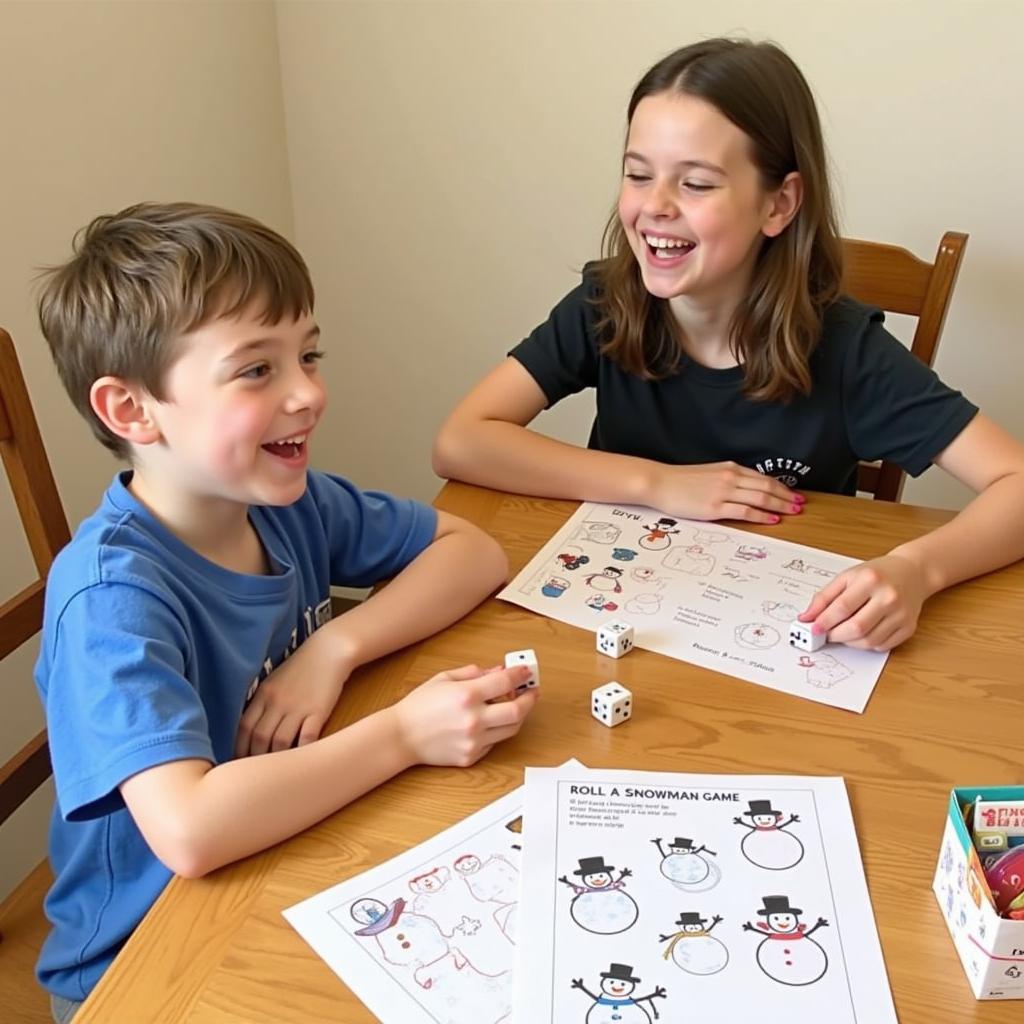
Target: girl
(728,368)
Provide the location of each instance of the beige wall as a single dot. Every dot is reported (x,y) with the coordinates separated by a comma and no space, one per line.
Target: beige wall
(104,104)
(450,167)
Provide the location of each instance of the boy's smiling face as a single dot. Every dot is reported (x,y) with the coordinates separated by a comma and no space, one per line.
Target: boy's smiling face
(240,403)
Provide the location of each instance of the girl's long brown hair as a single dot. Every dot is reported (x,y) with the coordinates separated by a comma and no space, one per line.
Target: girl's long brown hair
(798,273)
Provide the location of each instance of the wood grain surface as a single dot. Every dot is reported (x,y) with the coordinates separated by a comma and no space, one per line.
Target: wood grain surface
(948,710)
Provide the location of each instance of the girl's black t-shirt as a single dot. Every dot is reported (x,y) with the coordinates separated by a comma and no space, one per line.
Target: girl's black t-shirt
(870,399)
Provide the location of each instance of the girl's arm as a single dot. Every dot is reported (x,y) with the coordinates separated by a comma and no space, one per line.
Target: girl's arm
(876,604)
(485,441)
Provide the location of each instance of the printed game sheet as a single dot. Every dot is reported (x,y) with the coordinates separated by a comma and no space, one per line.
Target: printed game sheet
(430,935)
(651,895)
(700,592)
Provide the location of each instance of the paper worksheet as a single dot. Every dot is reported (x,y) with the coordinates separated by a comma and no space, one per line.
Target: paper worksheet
(700,592)
(652,895)
(429,936)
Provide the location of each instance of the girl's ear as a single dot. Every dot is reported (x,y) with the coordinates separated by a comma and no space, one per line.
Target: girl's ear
(124,408)
(784,205)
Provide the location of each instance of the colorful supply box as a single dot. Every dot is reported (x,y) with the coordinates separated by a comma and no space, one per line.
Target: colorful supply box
(991,947)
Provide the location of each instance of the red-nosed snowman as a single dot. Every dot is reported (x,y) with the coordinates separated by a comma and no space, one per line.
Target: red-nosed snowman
(601,904)
(787,952)
(615,1003)
(767,843)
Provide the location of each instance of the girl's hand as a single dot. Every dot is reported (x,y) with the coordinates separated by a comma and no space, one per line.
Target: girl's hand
(291,706)
(723,490)
(457,716)
(873,606)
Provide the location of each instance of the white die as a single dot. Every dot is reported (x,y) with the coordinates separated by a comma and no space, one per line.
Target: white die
(615,638)
(529,659)
(611,704)
(800,635)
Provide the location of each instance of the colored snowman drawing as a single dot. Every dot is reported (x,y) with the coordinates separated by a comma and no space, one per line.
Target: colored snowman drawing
(781,611)
(554,586)
(767,843)
(600,603)
(600,905)
(823,670)
(758,636)
(573,559)
(693,560)
(658,536)
(606,579)
(693,947)
(787,953)
(644,604)
(686,867)
(411,940)
(493,881)
(615,1003)
(596,533)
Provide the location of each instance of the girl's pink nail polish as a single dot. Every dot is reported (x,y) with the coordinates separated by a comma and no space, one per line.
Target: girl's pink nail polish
(796,508)
(775,519)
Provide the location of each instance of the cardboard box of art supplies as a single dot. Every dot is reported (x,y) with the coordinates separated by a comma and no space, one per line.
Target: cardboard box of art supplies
(979,883)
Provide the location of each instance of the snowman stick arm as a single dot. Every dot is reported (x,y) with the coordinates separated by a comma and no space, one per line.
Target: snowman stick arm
(748,927)
(704,849)
(792,818)
(578,983)
(822,923)
(740,821)
(657,843)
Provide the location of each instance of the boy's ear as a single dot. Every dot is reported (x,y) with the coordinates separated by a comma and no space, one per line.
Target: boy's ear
(125,409)
(785,204)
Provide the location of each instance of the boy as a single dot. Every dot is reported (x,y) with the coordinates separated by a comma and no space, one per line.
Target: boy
(187,664)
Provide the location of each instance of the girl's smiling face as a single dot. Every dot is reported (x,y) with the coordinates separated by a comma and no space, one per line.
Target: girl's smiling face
(692,202)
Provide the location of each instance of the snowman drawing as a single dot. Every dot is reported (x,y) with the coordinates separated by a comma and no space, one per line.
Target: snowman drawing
(767,843)
(787,953)
(600,905)
(615,1003)
(693,947)
(659,536)
(823,670)
(686,867)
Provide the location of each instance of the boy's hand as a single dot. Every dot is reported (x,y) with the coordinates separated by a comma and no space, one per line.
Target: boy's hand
(450,720)
(874,605)
(294,702)
(723,490)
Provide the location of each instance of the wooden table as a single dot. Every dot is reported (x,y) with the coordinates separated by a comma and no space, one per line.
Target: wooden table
(949,709)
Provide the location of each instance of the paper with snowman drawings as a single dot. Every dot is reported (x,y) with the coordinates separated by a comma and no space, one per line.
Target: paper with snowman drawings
(700,592)
(660,896)
(429,936)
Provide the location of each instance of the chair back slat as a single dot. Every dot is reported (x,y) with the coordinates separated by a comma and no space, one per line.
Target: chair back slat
(46,530)
(895,280)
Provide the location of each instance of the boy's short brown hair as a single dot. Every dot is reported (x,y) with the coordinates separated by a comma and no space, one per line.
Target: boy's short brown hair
(141,278)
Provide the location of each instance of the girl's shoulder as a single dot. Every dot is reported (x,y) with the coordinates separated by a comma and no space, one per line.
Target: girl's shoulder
(847,319)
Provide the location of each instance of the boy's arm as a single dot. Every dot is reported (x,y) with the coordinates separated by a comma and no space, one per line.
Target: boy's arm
(453,574)
(197,817)
(485,441)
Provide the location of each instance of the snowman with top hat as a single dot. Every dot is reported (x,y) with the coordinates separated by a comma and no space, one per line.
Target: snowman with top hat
(615,1003)
(787,952)
(693,947)
(686,867)
(767,843)
(601,903)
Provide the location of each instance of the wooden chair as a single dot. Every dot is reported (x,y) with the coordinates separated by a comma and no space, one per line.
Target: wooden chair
(21,617)
(898,282)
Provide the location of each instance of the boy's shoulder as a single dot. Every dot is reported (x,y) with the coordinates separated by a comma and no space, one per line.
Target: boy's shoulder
(113,542)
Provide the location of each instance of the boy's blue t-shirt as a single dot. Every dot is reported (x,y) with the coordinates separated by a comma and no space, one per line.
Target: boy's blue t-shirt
(149,654)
